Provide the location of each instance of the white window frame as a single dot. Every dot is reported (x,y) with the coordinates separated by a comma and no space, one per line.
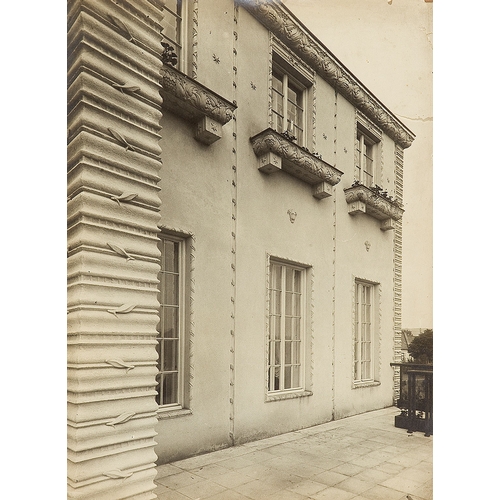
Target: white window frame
(365,164)
(180,46)
(297,128)
(181,399)
(362,322)
(278,365)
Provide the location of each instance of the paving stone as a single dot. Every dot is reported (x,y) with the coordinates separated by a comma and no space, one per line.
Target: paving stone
(176,481)
(202,489)
(333,493)
(355,485)
(361,458)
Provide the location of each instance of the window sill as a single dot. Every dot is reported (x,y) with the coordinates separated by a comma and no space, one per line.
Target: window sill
(276,152)
(164,413)
(362,199)
(287,395)
(195,103)
(361,385)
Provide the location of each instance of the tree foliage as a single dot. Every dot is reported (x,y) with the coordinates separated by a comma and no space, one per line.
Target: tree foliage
(420,349)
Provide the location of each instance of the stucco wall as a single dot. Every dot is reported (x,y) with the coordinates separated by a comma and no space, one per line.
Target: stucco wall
(237,217)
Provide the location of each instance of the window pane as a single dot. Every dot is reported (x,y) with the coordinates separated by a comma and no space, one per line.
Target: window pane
(296,328)
(171,324)
(277,353)
(171,354)
(289,279)
(170,388)
(288,303)
(296,353)
(288,377)
(275,277)
(170,256)
(295,376)
(172,289)
(172,28)
(288,328)
(288,352)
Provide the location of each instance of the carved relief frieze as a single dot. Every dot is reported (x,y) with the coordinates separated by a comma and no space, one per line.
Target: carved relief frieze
(275,17)
(194,102)
(276,152)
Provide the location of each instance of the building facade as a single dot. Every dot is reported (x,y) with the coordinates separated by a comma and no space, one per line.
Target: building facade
(235,236)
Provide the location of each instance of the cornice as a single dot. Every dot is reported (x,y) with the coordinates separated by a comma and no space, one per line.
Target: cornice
(284,25)
(276,152)
(366,200)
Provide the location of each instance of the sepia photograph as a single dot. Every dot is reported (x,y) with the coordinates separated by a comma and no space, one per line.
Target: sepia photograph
(254,236)
(249,249)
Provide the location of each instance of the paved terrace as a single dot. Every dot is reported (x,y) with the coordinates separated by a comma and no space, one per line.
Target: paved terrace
(360,458)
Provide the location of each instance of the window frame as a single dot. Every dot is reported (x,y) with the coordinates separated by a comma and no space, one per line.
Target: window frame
(182,354)
(360,377)
(367,134)
(297,128)
(180,46)
(300,76)
(305,335)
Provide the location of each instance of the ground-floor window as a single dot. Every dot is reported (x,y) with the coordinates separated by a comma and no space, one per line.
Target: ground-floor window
(364,330)
(171,328)
(285,365)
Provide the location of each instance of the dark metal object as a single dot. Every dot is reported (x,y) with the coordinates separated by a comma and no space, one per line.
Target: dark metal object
(416,398)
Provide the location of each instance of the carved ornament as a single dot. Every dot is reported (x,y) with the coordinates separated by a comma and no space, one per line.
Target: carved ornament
(281,22)
(362,199)
(276,152)
(193,101)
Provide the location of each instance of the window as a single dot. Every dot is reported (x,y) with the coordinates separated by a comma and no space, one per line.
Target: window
(364,332)
(171,328)
(285,365)
(367,151)
(364,160)
(175,30)
(288,104)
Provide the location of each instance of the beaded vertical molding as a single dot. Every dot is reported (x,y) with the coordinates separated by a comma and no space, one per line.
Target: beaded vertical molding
(234,197)
(114,162)
(334,254)
(194,41)
(398,266)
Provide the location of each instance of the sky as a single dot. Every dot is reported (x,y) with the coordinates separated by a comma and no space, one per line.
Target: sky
(389,47)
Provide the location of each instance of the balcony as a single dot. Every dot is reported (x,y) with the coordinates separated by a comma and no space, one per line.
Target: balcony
(415,399)
(277,152)
(195,103)
(375,203)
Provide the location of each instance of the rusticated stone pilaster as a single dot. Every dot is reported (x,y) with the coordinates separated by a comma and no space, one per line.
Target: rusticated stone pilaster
(114,112)
(281,22)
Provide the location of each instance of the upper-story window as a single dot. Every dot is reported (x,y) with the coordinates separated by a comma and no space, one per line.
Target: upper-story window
(288,104)
(367,152)
(291,96)
(364,159)
(175,31)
